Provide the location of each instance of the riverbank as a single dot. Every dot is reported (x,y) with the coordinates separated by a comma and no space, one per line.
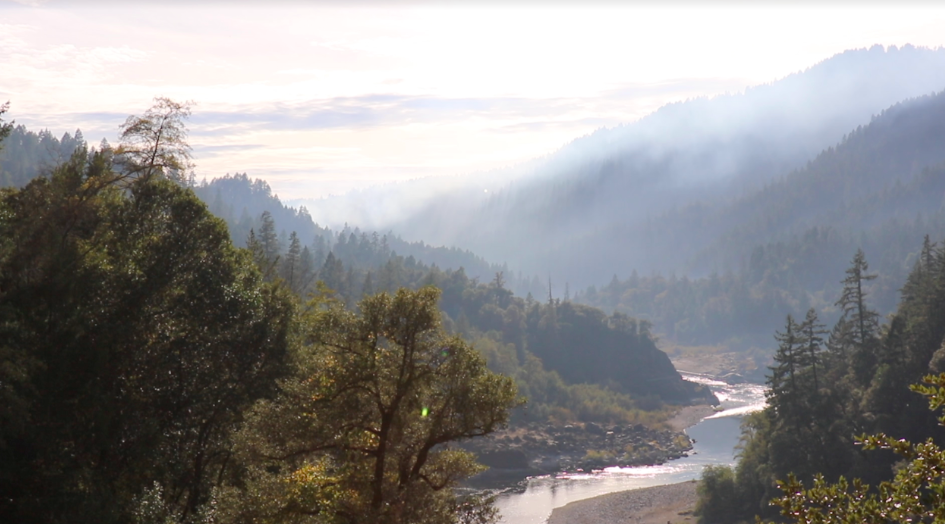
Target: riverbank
(672,503)
(547,449)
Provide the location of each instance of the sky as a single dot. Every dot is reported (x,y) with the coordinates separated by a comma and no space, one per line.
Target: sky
(320,99)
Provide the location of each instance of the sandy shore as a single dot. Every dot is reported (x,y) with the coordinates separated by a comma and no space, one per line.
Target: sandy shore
(689,416)
(672,503)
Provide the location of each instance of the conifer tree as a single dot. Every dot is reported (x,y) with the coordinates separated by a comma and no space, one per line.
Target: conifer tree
(268,238)
(784,394)
(291,264)
(864,321)
(5,129)
(853,299)
(812,332)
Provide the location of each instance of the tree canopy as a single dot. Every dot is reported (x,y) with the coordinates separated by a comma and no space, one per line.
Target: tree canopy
(133,336)
(155,143)
(361,431)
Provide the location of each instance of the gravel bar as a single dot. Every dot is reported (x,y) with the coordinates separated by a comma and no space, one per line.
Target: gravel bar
(672,504)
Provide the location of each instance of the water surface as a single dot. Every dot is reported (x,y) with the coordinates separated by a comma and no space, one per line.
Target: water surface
(716,438)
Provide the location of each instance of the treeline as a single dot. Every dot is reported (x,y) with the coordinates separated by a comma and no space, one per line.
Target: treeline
(242,201)
(666,192)
(880,189)
(27,153)
(572,361)
(576,381)
(741,309)
(828,386)
(149,373)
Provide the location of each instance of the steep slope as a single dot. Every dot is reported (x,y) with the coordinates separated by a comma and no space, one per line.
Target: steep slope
(881,189)
(599,191)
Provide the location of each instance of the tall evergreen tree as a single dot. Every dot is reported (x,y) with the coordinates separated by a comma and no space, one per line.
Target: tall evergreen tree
(864,321)
(784,394)
(269,239)
(5,128)
(812,332)
(291,264)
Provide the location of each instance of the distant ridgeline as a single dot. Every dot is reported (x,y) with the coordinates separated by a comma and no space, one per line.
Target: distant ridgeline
(572,362)
(769,190)
(881,189)
(241,203)
(26,154)
(657,194)
(562,354)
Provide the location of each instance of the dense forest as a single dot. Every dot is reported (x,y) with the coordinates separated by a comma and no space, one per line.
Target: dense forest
(562,353)
(880,189)
(828,387)
(152,371)
(747,255)
(175,351)
(712,218)
(632,197)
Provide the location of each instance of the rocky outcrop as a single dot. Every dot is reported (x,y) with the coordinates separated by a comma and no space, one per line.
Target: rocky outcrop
(535,449)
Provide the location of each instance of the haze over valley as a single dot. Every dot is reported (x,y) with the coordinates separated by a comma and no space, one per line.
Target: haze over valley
(415,264)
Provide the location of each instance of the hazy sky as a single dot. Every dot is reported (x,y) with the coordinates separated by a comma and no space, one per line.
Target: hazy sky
(318,100)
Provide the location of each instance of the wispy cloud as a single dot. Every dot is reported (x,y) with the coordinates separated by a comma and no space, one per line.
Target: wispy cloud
(333,95)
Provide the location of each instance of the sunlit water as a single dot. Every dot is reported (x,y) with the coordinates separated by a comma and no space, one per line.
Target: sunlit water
(716,438)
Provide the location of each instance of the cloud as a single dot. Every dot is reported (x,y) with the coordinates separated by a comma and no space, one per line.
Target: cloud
(30,3)
(391,110)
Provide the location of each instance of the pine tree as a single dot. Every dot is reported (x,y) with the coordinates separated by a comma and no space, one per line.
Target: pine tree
(853,299)
(291,264)
(864,321)
(268,238)
(5,129)
(812,332)
(784,394)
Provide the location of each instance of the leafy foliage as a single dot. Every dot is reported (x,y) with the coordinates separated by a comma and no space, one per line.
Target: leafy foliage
(155,143)
(915,494)
(133,334)
(360,432)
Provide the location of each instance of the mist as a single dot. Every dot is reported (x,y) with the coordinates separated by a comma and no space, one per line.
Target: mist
(591,209)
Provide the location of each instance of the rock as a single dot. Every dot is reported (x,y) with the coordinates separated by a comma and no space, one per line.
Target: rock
(504,459)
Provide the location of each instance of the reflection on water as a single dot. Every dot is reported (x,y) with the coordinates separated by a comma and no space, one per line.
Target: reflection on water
(715,438)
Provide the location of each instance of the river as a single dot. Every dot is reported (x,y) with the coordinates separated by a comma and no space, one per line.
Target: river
(716,438)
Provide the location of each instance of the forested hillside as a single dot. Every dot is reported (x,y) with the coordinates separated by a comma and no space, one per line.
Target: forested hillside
(744,256)
(151,371)
(626,198)
(881,189)
(575,362)
(241,202)
(830,386)
(27,153)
